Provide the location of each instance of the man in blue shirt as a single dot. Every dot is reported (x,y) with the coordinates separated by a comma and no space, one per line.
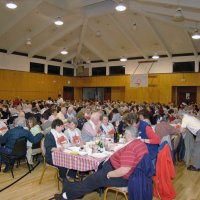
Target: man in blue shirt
(10,137)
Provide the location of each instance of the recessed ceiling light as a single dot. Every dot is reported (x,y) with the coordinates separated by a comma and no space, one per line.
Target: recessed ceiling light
(28,41)
(58,21)
(196,35)
(155,56)
(123,59)
(120,7)
(11,5)
(64,52)
(98,33)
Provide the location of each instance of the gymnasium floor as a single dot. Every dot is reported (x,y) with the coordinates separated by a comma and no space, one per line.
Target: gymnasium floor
(186,185)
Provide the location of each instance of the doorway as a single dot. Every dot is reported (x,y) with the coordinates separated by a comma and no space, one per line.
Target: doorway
(68,93)
(187,94)
(97,93)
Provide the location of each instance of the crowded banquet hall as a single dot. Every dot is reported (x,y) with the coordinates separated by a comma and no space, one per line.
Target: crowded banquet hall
(99,99)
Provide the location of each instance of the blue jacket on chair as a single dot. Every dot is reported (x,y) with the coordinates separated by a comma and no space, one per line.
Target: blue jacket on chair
(140,186)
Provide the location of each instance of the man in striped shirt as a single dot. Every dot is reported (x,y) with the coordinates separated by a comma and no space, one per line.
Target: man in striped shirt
(114,172)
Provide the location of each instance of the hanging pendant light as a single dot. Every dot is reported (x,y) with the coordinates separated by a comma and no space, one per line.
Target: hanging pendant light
(58,21)
(123,59)
(155,56)
(196,35)
(64,52)
(11,5)
(120,7)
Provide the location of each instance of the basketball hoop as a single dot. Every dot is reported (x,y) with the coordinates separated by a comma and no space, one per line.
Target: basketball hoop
(138,82)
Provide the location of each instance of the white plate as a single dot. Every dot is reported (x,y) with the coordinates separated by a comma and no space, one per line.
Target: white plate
(119,146)
(99,155)
(67,151)
(74,148)
(82,153)
(108,153)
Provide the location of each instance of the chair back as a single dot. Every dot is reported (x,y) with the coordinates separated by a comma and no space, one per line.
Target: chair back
(36,145)
(43,147)
(20,147)
(140,181)
(165,171)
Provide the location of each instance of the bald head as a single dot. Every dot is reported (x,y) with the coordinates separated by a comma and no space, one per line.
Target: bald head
(95,117)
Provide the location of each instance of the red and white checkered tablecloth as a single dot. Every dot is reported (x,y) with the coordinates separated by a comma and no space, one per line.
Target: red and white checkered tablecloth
(76,162)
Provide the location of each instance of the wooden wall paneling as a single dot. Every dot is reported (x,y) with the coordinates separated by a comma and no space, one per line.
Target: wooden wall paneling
(78,93)
(40,86)
(118,93)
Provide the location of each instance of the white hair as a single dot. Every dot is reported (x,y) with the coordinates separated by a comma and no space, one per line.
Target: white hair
(20,121)
(133,131)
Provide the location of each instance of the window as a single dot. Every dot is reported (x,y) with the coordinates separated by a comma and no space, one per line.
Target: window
(117,70)
(36,67)
(53,69)
(184,66)
(99,71)
(68,71)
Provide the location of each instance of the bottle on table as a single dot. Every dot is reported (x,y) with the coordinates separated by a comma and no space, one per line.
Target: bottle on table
(116,137)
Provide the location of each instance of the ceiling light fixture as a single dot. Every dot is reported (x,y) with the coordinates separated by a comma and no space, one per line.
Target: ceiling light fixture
(196,35)
(28,41)
(98,33)
(120,6)
(58,21)
(11,5)
(178,16)
(64,52)
(134,26)
(155,56)
(88,61)
(123,59)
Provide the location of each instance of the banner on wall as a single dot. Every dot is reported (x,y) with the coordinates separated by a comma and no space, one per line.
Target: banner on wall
(139,80)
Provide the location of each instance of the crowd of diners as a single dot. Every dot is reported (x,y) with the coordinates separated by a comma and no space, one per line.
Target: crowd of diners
(73,123)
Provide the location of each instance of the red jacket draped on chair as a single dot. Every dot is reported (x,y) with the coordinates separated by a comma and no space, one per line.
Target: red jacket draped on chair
(165,171)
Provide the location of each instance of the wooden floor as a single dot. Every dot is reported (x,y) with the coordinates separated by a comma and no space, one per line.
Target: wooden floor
(187,185)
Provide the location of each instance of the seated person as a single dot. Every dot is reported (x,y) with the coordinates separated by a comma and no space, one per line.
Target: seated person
(147,134)
(46,124)
(114,172)
(91,128)
(72,133)
(3,127)
(83,116)
(71,113)
(56,141)
(61,114)
(106,127)
(171,115)
(34,129)
(116,115)
(164,129)
(10,137)
(5,112)
(53,114)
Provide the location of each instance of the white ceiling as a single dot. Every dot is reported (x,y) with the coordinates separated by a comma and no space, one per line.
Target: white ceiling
(155,30)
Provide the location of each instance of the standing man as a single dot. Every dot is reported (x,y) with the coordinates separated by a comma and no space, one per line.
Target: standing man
(60,100)
(193,125)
